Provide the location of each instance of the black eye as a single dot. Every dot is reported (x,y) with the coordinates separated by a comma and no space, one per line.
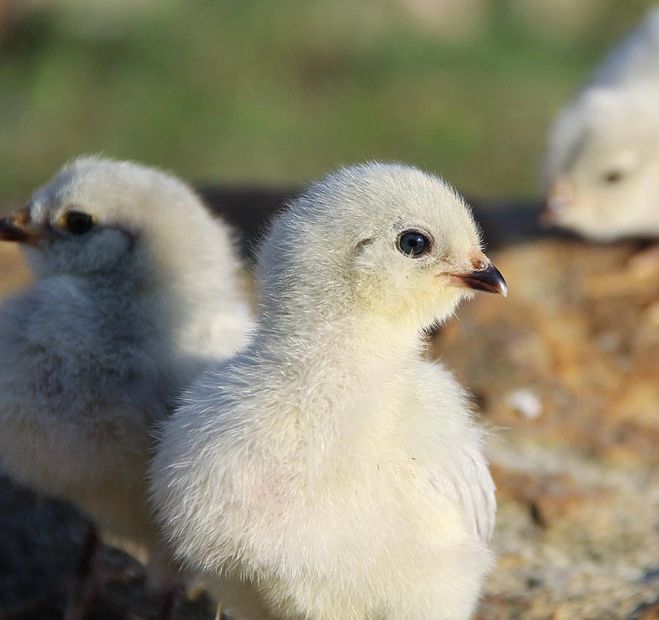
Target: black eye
(413,243)
(612,176)
(78,223)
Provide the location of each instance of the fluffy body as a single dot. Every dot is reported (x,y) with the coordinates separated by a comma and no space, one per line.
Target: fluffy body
(601,171)
(329,470)
(117,321)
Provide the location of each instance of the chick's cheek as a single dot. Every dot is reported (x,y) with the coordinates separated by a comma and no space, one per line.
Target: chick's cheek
(101,249)
(444,303)
(33,254)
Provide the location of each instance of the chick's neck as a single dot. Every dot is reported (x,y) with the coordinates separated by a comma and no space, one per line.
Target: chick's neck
(343,375)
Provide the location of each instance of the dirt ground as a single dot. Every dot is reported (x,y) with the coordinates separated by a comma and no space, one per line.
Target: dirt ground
(565,374)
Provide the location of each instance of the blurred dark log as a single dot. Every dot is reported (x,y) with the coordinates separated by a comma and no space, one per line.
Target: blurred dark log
(250,209)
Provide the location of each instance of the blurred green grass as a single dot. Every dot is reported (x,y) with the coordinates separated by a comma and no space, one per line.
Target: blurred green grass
(278,92)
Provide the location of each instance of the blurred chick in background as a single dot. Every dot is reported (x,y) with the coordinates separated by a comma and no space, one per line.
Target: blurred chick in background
(601,172)
(136,287)
(329,471)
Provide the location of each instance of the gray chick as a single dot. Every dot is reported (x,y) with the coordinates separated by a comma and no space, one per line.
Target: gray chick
(136,288)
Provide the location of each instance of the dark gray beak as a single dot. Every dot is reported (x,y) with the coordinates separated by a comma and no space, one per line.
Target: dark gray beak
(10,232)
(488,279)
(14,227)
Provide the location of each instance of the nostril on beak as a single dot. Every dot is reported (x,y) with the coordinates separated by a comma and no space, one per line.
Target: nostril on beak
(478,261)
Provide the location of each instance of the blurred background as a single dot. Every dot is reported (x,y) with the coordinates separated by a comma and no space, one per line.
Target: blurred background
(280,92)
(565,372)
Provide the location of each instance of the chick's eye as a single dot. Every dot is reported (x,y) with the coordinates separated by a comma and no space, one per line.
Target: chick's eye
(613,176)
(413,243)
(78,223)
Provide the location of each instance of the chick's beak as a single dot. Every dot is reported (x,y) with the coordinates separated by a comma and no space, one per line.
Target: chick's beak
(486,277)
(559,199)
(14,227)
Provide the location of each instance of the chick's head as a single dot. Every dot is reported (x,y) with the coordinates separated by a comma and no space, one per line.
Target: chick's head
(602,169)
(380,239)
(98,215)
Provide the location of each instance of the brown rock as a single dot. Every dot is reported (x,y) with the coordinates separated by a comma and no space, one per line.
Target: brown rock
(497,607)
(548,497)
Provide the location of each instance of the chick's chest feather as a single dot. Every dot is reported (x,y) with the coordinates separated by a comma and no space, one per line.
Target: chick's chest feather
(68,395)
(81,340)
(381,445)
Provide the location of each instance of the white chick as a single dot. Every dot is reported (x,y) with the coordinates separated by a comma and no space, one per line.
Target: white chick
(601,171)
(136,287)
(329,470)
